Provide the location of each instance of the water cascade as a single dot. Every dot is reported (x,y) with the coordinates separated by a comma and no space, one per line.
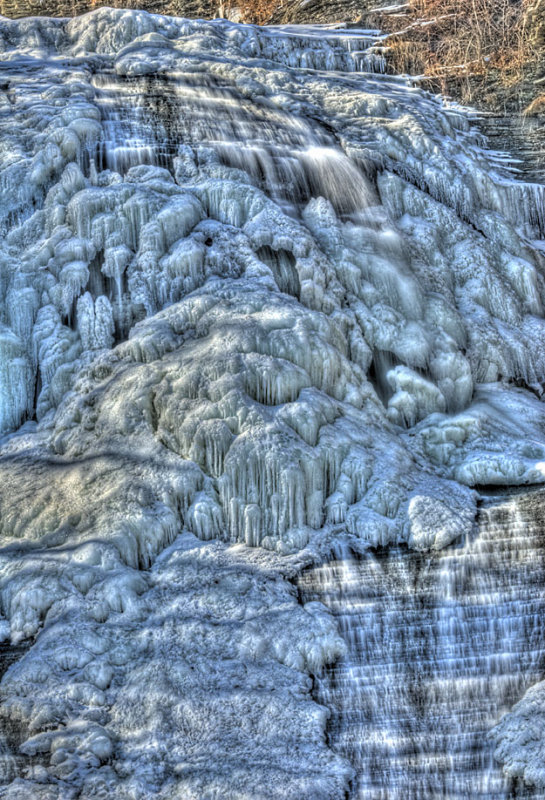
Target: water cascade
(261,302)
(440,646)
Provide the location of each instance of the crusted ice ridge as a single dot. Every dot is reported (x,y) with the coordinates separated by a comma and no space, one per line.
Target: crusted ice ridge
(250,296)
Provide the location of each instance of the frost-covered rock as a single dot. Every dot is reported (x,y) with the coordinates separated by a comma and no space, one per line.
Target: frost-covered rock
(250,297)
(519,736)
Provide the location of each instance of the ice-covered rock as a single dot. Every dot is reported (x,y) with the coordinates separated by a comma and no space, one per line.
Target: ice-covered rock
(253,293)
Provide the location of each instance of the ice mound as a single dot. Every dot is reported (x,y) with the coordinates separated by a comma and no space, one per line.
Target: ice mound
(250,296)
(519,736)
(174,682)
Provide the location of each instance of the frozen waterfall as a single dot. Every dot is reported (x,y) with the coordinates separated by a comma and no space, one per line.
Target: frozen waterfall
(260,302)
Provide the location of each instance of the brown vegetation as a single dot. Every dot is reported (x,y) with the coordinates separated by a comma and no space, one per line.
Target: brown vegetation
(259,12)
(536,107)
(462,41)
(254,11)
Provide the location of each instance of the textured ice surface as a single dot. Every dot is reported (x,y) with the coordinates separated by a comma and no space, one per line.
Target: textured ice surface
(253,295)
(186,680)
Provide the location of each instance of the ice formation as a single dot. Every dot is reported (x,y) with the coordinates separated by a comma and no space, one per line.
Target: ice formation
(252,297)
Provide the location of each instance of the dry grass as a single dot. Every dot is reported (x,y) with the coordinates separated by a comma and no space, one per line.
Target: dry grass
(258,12)
(462,40)
(536,107)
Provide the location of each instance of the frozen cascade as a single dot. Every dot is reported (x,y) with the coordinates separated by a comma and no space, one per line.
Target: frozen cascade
(440,646)
(256,298)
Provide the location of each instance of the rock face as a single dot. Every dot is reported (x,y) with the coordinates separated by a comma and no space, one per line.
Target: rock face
(251,298)
(293,11)
(196,9)
(321,11)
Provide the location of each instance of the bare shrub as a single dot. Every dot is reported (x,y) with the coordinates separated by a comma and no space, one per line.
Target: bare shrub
(462,40)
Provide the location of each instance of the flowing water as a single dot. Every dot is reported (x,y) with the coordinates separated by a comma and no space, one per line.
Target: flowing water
(439,647)
(292,158)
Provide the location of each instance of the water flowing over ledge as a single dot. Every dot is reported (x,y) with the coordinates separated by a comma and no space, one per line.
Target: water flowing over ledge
(257,298)
(440,646)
